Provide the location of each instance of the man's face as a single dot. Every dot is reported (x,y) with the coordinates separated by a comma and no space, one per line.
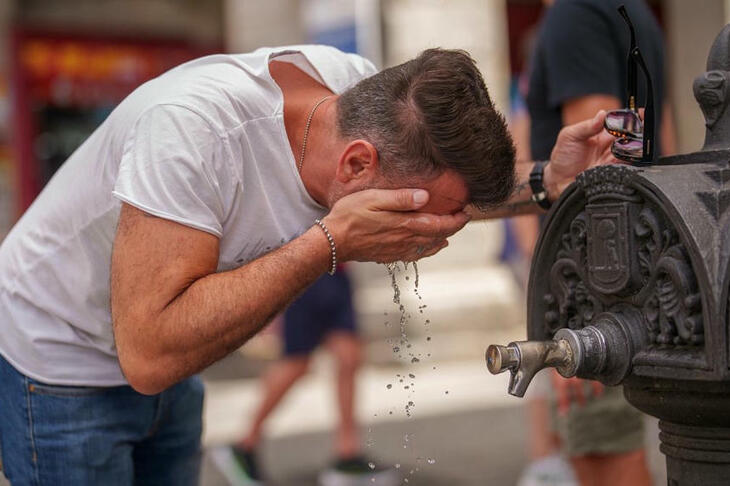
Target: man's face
(448,194)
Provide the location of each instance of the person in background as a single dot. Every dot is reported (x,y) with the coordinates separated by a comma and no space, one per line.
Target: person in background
(322,316)
(521,232)
(579,67)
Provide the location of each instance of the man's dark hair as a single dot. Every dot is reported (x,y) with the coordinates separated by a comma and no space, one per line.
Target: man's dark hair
(431,114)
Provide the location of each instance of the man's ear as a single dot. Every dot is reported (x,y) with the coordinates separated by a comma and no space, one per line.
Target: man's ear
(358,162)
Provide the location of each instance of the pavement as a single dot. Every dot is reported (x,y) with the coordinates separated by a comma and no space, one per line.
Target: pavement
(470,448)
(461,419)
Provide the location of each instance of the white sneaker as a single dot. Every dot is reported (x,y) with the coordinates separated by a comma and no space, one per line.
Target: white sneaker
(548,471)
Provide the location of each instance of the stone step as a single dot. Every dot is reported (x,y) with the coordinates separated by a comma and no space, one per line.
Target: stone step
(482,297)
(443,347)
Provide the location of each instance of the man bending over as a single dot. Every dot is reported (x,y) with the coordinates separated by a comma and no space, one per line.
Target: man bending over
(210,198)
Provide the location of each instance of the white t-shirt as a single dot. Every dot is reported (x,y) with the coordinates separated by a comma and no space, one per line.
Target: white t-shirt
(204,145)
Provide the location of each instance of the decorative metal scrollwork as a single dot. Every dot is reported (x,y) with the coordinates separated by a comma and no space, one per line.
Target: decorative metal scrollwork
(620,249)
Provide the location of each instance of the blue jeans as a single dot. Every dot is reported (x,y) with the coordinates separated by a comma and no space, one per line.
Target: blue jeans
(59,435)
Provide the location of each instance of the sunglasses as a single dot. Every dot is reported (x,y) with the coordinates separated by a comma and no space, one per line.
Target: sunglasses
(635,139)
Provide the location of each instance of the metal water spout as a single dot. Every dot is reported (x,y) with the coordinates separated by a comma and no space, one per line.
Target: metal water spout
(601,351)
(525,358)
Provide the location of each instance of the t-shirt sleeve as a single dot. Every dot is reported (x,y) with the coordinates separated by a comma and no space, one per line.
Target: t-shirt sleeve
(580,52)
(167,168)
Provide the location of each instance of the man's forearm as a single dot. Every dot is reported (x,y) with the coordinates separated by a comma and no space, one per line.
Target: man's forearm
(217,313)
(579,147)
(519,203)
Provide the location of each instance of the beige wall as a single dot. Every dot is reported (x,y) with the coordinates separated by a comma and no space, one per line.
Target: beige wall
(478,26)
(252,24)
(691,29)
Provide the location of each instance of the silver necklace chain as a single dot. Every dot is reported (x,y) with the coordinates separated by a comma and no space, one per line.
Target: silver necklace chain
(306,130)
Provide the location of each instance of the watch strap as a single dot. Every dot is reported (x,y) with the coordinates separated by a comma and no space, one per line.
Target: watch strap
(539,193)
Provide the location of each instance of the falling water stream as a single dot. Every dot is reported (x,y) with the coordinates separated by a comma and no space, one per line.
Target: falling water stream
(405,351)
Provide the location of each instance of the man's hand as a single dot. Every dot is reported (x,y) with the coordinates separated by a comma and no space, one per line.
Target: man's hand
(578,147)
(385,226)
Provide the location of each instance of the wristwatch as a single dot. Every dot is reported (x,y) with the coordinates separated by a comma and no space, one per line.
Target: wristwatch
(539,194)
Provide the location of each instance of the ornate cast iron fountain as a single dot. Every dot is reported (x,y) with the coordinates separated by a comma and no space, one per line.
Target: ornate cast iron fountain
(630,285)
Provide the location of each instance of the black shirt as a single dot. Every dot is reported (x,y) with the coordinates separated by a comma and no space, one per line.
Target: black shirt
(581,50)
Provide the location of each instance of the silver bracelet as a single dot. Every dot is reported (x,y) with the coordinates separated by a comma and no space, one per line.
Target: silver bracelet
(333,248)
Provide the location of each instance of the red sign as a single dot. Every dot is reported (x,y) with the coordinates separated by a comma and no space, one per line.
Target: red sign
(77,73)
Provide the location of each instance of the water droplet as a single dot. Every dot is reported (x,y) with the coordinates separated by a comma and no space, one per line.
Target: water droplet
(407,277)
(428,321)
(397,466)
(447,392)
(431,461)
(428,338)
(415,360)
(389,386)
(396,349)
(371,465)
(411,375)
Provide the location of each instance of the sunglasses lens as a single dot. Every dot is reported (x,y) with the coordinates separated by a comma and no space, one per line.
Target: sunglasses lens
(629,149)
(624,123)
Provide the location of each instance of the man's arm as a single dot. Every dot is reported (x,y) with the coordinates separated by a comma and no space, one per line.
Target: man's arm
(579,147)
(578,109)
(173,315)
